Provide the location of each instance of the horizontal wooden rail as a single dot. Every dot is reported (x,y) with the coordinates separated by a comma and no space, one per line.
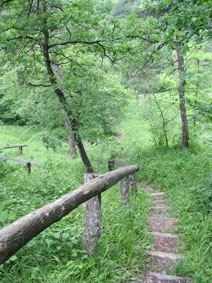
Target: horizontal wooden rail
(17,234)
(28,164)
(20,146)
(113,162)
(13,146)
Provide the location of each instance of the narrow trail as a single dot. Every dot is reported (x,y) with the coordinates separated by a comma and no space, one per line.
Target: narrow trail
(163,256)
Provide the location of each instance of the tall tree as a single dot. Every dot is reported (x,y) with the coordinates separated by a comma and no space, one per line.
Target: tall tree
(41,34)
(181,21)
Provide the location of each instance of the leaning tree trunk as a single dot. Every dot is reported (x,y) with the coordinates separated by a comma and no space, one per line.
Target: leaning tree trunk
(163,122)
(181,90)
(145,105)
(75,129)
(71,141)
(62,99)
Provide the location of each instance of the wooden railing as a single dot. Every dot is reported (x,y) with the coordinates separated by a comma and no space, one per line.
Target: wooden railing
(28,164)
(17,234)
(131,180)
(20,146)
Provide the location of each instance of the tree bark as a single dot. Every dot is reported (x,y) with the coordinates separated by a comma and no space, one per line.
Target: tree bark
(20,232)
(150,102)
(124,191)
(145,105)
(71,140)
(93,216)
(197,85)
(62,99)
(163,122)
(181,90)
(132,180)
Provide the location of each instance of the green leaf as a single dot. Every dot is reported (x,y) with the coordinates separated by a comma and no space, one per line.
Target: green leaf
(3,216)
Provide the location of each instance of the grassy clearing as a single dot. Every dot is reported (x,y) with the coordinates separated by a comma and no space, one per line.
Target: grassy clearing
(55,255)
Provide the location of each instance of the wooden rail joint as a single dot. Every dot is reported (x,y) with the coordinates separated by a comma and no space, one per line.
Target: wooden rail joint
(124,184)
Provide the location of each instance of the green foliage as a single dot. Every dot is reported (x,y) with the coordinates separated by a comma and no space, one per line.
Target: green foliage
(184,19)
(80,35)
(55,255)
(6,216)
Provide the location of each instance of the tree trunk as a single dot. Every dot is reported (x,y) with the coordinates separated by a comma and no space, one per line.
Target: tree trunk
(197,86)
(181,90)
(163,122)
(150,102)
(145,105)
(75,130)
(62,99)
(71,141)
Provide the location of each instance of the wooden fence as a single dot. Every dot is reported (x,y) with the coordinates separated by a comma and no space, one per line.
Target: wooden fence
(28,164)
(17,234)
(20,146)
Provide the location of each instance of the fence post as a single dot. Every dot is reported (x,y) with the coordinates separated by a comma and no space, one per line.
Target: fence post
(21,149)
(110,165)
(93,214)
(133,186)
(124,191)
(28,166)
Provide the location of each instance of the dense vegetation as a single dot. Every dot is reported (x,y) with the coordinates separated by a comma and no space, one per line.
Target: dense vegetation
(86,81)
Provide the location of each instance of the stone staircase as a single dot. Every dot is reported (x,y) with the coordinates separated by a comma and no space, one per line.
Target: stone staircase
(164,255)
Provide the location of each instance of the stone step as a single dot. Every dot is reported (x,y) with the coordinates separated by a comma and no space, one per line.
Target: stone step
(150,189)
(165,242)
(159,223)
(153,277)
(161,260)
(157,196)
(158,202)
(159,209)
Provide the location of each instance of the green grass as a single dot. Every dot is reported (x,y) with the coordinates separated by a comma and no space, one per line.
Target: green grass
(55,255)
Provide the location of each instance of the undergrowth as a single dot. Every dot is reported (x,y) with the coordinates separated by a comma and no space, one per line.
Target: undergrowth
(56,256)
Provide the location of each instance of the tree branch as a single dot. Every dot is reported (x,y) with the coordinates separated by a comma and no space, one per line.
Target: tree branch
(26,37)
(5,2)
(38,85)
(74,42)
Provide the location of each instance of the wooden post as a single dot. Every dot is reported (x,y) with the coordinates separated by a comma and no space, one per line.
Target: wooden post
(21,149)
(28,166)
(133,186)
(93,214)
(110,165)
(124,191)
